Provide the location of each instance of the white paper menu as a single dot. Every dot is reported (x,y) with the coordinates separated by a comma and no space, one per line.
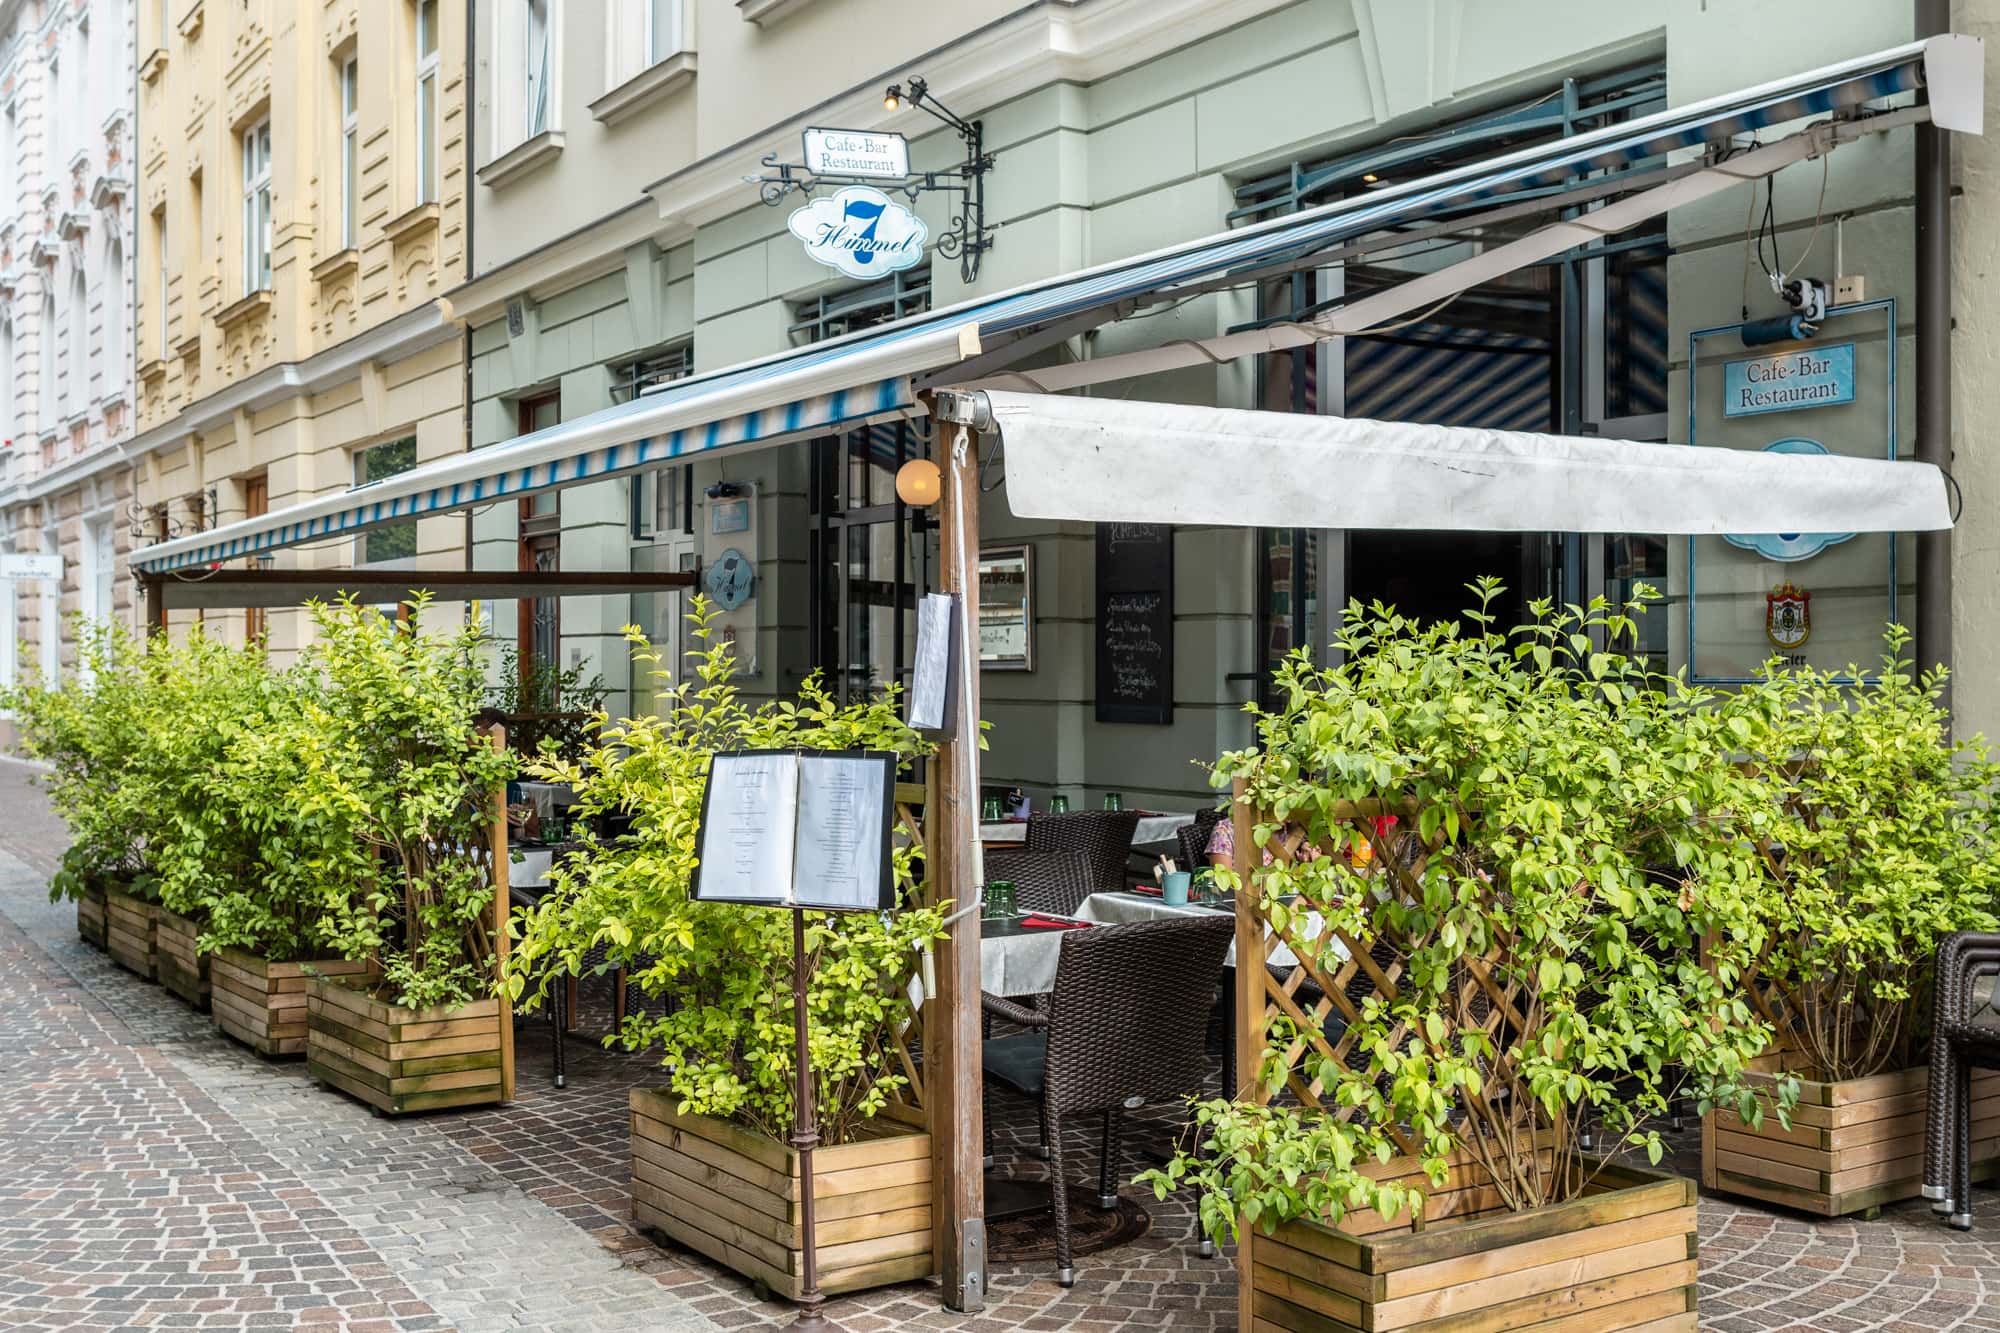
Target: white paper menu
(784,828)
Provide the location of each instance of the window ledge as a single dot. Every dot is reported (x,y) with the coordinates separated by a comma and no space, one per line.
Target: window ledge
(190,22)
(337,264)
(151,67)
(152,369)
(256,303)
(421,218)
(522,158)
(764,13)
(645,88)
(188,348)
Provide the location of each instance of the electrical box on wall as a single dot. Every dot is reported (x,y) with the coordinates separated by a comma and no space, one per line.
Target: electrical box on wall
(1850,289)
(730,565)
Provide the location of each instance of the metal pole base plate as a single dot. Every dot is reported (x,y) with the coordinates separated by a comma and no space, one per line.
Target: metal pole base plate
(1960,1221)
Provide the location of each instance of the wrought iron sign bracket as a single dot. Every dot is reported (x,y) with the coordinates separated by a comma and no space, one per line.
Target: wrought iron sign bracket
(966,237)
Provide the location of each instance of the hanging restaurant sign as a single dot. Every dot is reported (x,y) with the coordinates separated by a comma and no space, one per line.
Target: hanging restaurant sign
(1786,381)
(861,232)
(857,153)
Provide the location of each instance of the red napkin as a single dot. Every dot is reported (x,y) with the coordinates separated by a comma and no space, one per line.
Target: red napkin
(1050,923)
(1153,889)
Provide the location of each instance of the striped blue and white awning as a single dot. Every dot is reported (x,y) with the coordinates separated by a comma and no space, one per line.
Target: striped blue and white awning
(875,374)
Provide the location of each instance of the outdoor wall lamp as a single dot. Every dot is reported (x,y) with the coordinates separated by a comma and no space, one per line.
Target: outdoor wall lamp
(919,483)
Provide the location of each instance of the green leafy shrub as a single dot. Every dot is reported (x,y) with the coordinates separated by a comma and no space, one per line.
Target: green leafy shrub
(1877,837)
(379,752)
(726,1036)
(92,731)
(544,704)
(1551,834)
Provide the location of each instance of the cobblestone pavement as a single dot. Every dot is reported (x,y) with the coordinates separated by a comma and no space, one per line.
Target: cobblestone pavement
(154,1175)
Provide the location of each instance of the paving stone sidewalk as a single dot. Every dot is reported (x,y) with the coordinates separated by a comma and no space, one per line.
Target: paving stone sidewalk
(156,1176)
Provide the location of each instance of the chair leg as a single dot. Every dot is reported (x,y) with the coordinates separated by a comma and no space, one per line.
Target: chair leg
(559,1024)
(569,1005)
(1059,1197)
(1961,1165)
(1939,1121)
(1047,1132)
(1107,1164)
(618,1003)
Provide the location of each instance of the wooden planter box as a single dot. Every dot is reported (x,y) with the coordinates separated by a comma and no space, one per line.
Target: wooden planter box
(732,1195)
(398,1059)
(263,1004)
(1621,1257)
(180,965)
(90,917)
(1853,1146)
(129,933)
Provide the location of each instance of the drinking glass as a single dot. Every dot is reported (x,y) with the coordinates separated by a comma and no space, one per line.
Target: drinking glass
(1114,800)
(999,900)
(990,810)
(1058,805)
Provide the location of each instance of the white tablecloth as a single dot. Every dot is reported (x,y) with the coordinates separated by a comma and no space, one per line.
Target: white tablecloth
(1154,831)
(1025,963)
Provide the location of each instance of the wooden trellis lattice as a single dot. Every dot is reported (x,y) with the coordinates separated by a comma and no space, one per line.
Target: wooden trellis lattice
(1347,973)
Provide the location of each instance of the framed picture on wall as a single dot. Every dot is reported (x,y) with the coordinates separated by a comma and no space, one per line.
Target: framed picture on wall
(1007,608)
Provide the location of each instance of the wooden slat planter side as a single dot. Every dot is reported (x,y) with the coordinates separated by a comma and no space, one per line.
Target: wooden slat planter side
(732,1195)
(1621,1257)
(1852,1146)
(177,958)
(129,933)
(90,917)
(263,1004)
(398,1059)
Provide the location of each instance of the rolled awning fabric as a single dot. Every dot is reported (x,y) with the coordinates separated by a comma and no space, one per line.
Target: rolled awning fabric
(1111,460)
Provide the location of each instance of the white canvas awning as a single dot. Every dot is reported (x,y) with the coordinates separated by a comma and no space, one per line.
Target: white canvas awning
(1104,460)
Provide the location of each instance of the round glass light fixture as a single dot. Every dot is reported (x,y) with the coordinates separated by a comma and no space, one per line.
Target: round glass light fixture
(919,483)
(893,98)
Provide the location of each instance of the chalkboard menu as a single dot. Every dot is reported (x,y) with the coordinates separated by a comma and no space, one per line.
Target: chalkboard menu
(1135,623)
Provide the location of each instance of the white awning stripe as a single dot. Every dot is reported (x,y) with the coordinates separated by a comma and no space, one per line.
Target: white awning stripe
(1108,460)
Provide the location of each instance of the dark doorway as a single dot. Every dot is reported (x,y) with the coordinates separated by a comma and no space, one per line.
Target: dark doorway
(1424,574)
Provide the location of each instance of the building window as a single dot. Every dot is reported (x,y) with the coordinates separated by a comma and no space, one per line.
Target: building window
(392,541)
(350,154)
(100,572)
(78,396)
(257,208)
(111,327)
(166,21)
(7,413)
(10,181)
(427,101)
(162,262)
(662,500)
(640,34)
(45,363)
(256,504)
(540,63)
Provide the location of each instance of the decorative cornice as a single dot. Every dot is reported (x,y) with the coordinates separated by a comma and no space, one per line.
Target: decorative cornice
(190,20)
(150,68)
(336,265)
(521,159)
(399,230)
(768,13)
(109,190)
(650,85)
(73,225)
(45,250)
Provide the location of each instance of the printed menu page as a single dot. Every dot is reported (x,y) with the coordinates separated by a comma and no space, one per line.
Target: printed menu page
(750,816)
(842,810)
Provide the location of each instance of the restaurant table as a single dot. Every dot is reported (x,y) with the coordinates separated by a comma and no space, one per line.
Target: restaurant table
(1155,832)
(1014,960)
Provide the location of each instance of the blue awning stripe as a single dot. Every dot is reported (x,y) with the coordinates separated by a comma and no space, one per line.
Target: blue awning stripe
(613,460)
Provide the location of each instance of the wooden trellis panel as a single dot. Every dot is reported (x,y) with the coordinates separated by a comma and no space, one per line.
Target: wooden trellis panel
(1348,977)
(905,1044)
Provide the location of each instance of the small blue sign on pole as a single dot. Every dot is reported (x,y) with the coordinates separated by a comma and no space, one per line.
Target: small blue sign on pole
(1787,381)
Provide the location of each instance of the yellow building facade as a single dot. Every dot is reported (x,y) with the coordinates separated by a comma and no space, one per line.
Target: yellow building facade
(301,193)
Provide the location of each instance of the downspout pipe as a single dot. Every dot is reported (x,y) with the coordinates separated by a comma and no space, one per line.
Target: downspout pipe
(1934,385)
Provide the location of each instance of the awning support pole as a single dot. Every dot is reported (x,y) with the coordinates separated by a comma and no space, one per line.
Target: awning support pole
(1933,170)
(952,1078)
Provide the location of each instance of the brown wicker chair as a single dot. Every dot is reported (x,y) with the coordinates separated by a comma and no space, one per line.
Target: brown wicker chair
(1043,881)
(1103,836)
(1194,838)
(1126,1027)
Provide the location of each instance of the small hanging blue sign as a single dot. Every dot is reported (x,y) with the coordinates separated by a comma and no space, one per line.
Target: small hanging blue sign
(1787,381)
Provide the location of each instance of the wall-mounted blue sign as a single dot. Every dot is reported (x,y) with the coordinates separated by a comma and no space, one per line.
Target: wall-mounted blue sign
(1787,381)
(861,232)
(1789,545)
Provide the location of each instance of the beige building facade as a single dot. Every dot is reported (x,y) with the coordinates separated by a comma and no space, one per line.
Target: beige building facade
(301,209)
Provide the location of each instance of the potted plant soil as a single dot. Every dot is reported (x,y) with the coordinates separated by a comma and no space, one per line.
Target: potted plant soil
(711,1163)
(1466,831)
(1875,837)
(403,795)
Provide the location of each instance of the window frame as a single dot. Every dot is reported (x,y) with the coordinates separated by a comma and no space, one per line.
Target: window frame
(538,81)
(46,405)
(362,480)
(348,90)
(427,104)
(76,397)
(254,145)
(162,239)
